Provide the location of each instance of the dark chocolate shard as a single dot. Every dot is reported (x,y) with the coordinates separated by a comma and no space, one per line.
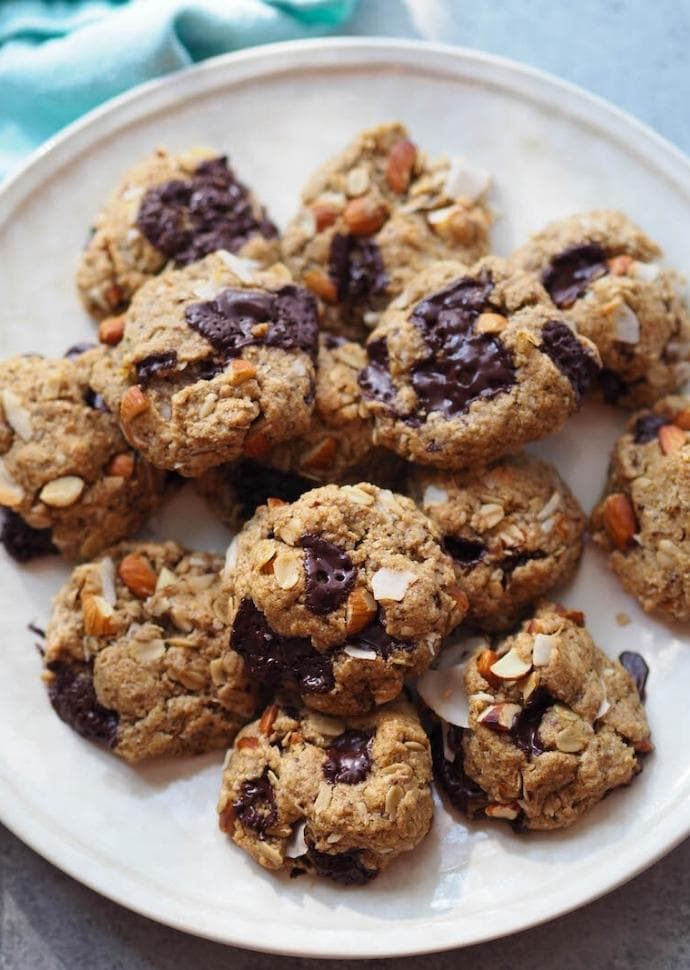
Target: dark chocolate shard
(23,542)
(637,667)
(464,793)
(255,806)
(374,637)
(348,758)
(356,268)
(613,387)
(345,868)
(330,574)
(375,379)
(562,346)
(647,428)
(73,697)
(465,552)
(569,274)
(155,365)
(525,730)
(253,484)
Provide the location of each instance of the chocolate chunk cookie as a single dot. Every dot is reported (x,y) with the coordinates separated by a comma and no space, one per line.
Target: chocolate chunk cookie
(377,214)
(339,798)
(554,725)
(513,530)
(468,364)
(65,469)
(643,520)
(169,209)
(341,595)
(600,271)
(136,653)
(213,363)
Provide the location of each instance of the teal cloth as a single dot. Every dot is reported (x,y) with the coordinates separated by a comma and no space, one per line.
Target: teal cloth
(59,59)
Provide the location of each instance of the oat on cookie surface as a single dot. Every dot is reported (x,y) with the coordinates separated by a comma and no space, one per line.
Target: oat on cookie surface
(136,653)
(337,797)
(643,519)
(64,465)
(469,364)
(169,209)
(513,530)
(375,215)
(213,363)
(602,272)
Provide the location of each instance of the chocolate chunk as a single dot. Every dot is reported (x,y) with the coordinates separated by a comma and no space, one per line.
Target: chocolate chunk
(559,343)
(348,758)
(73,697)
(466,552)
(356,268)
(464,793)
(375,379)
(186,219)
(278,661)
(253,485)
(21,541)
(345,868)
(571,271)
(374,637)
(255,805)
(462,366)
(613,388)
(76,350)
(330,574)
(525,730)
(510,563)
(155,365)
(229,322)
(637,667)
(95,400)
(647,428)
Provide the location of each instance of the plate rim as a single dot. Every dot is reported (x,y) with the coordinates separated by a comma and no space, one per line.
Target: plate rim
(267,60)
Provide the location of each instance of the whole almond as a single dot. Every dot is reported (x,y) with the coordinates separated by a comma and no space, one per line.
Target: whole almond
(98,616)
(319,283)
(268,719)
(364,216)
(485,661)
(619,519)
(671,438)
(324,215)
(137,575)
(401,159)
(360,610)
(122,465)
(133,403)
(111,330)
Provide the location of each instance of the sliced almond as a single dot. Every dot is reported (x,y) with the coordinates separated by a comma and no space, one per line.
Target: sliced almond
(136,573)
(500,717)
(360,653)
(106,569)
(111,330)
(364,216)
(149,650)
(619,519)
(544,644)
(268,719)
(400,165)
(322,285)
(62,492)
(133,403)
(240,371)
(11,494)
(511,666)
(275,503)
(509,811)
(16,415)
(671,438)
(360,610)
(166,578)
(98,616)
(392,584)
(286,570)
(575,616)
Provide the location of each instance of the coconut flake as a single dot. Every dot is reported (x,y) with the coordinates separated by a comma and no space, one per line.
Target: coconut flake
(360,653)
(242,268)
(17,415)
(604,707)
(434,494)
(106,568)
(444,692)
(206,290)
(458,649)
(448,752)
(391,584)
(647,271)
(544,643)
(296,844)
(550,507)
(231,555)
(465,181)
(548,524)
(627,325)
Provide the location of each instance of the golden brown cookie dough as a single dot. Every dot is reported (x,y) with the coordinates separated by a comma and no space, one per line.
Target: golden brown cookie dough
(341,595)
(469,364)
(377,214)
(65,466)
(513,530)
(339,798)
(601,271)
(213,363)
(554,725)
(643,520)
(136,653)
(169,209)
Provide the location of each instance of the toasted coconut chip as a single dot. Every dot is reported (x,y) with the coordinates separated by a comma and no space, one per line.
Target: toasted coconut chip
(444,692)
(296,845)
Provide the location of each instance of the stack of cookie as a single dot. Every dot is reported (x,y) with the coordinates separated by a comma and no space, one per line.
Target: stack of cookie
(352,399)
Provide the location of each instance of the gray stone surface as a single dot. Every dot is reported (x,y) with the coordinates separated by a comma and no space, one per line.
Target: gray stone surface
(636,54)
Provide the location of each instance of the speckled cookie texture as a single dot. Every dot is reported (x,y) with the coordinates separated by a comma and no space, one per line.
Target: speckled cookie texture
(514,531)
(136,653)
(341,595)
(169,210)
(643,519)
(375,215)
(65,468)
(469,364)
(554,725)
(339,798)
(213,363)
(601,271)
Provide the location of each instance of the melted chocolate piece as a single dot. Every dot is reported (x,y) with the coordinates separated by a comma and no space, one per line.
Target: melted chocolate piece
(374,637)
(612,386)
(76,350)
(155,365)
(647,428)
(571,271)
(96,401)
(356,268)
(255,806)
(73,697)
(464,793)
(637,667)
(348,758)
(375,380)
(559,343)
(229,322)
(21,541)
(511,563)
(343,867)
(525,730)
(186,219)
(278,661)
(465,552)
(330,574)
(253,485)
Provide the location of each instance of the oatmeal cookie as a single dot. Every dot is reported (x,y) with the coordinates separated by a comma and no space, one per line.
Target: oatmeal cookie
(601,272)
(339,798)
(643,520)
(136,653)
(169,209)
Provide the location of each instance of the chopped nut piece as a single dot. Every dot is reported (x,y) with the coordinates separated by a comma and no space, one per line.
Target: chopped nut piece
(256,445)
(121,466)
(364,216)
(485,661)
(509,812)
(98,616)
(134,402)
(11,494)
(619,519)
(510,666)
(319,283)
(682,420)
(241,371)
(400,164)
(16,415)
(324,216)
(62,492)
(268,719)
(286,570)
(111,330)
(137,575)
(499,717)
(360,611)
(671,438)
(245,743)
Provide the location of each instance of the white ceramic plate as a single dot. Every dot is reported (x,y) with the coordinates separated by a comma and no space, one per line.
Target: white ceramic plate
(147,837)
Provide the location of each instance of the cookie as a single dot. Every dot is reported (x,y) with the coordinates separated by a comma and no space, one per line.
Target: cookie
(601,272)
(377,214)
(65,469)
(136,654)
(469,364)
(213,363)
(169,209)
(338,798)
(340,596)
(513,530)
(553,726)
(642,520)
